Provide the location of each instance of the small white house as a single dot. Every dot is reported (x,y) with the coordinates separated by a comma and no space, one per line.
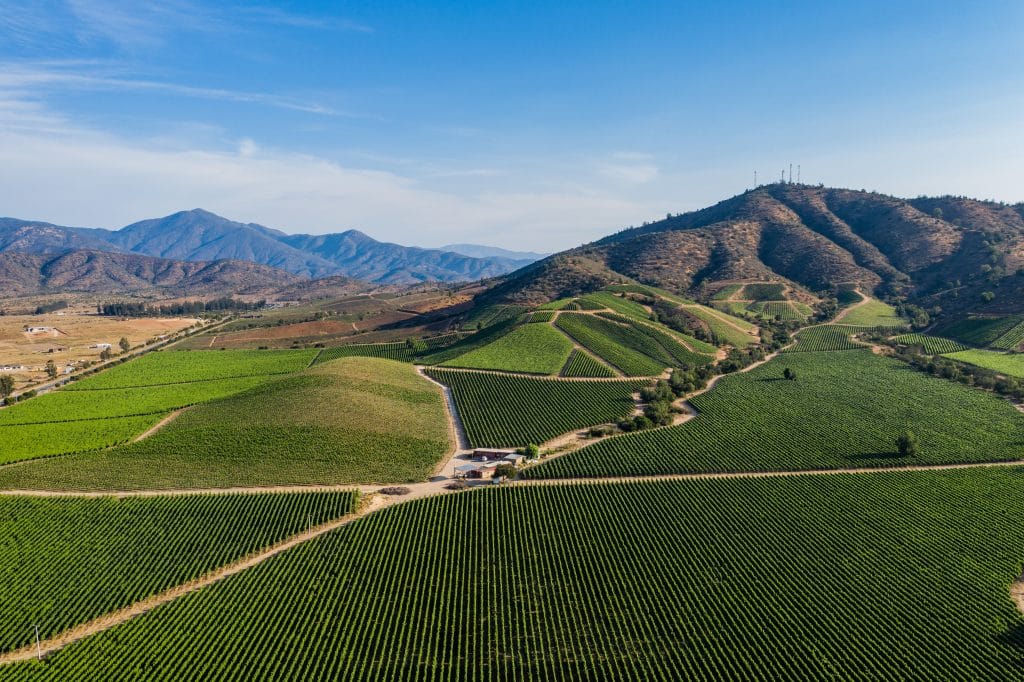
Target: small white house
(101,346)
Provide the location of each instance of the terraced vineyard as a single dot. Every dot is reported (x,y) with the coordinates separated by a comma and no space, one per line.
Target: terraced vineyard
(582,364)
(1011,364)
(727,328)
(508,411)
(673,343)
(617,345)
(932,345)
(530,348)
(823,338)
(894,576)
(726,292)
(66,561)
(353,420)
(757,421)
(623,306)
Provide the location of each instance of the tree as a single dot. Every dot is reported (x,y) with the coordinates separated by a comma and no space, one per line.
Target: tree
(507,469)
(6,385)
(125,345)
(531,451)
(51,369)
(105,354)
(987,296)
(907,444)
(789,374)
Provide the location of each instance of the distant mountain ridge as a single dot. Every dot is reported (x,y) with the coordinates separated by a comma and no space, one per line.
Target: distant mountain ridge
(199,235)
(481,251)
(942,251)
(123,273)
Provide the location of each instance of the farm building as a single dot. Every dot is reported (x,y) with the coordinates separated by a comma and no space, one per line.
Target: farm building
(101,346)
(514,458)
(478,470)
(491,454)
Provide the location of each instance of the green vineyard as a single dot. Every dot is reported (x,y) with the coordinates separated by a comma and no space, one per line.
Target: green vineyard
(66,561)
(508,411)
(618,345)
(354,420)
(172,367)
(983,331)
(882,576)
(582,364)
(1011,364)
(932,345)
(530,348)
(389,351)
(844,410)
(823,337)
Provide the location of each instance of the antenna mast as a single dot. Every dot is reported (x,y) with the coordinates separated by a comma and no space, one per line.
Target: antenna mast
(798,174)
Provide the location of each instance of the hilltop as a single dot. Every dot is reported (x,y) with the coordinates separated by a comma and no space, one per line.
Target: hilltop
(943,251)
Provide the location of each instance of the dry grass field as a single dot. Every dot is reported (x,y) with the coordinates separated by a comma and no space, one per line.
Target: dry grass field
(70,336)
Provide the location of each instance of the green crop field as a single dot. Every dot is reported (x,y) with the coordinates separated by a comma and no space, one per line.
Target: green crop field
(29,441)
(618,345)
(530,348)
(582,364)
(980,331)
(491,315)
(390,351)
(823,337)
(624,306)
(882,576)
(112,407)
(726,292)
(1011,364)
(64,561)
(558,304)
(62,406)
(769,291)
(508,411)
(467,343)
(541,316)
(932,345)
(783,310)
(678,346)
(354,420)
(845,409)
(874,314)
(168,367)
(728,329)
(734,308)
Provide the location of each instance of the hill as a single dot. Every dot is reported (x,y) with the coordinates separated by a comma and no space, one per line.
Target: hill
(942,251)
(199,235)
(102,272)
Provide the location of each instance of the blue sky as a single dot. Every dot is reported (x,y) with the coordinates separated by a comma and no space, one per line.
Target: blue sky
(523,124)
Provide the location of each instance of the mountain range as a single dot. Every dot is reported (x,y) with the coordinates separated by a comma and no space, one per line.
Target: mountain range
(949,252)
(199,235)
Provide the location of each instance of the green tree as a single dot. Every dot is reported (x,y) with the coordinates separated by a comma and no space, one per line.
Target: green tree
(6,385)
(789,374)
(507,469)
(125,344)
(906,444)
(51,369)
(531,451)
(105,354)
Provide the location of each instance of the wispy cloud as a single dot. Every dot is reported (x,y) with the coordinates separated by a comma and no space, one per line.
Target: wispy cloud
(38,79)
(277,16)
(629,167)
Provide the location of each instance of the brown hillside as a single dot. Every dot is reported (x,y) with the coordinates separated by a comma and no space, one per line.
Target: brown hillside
(944,251)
